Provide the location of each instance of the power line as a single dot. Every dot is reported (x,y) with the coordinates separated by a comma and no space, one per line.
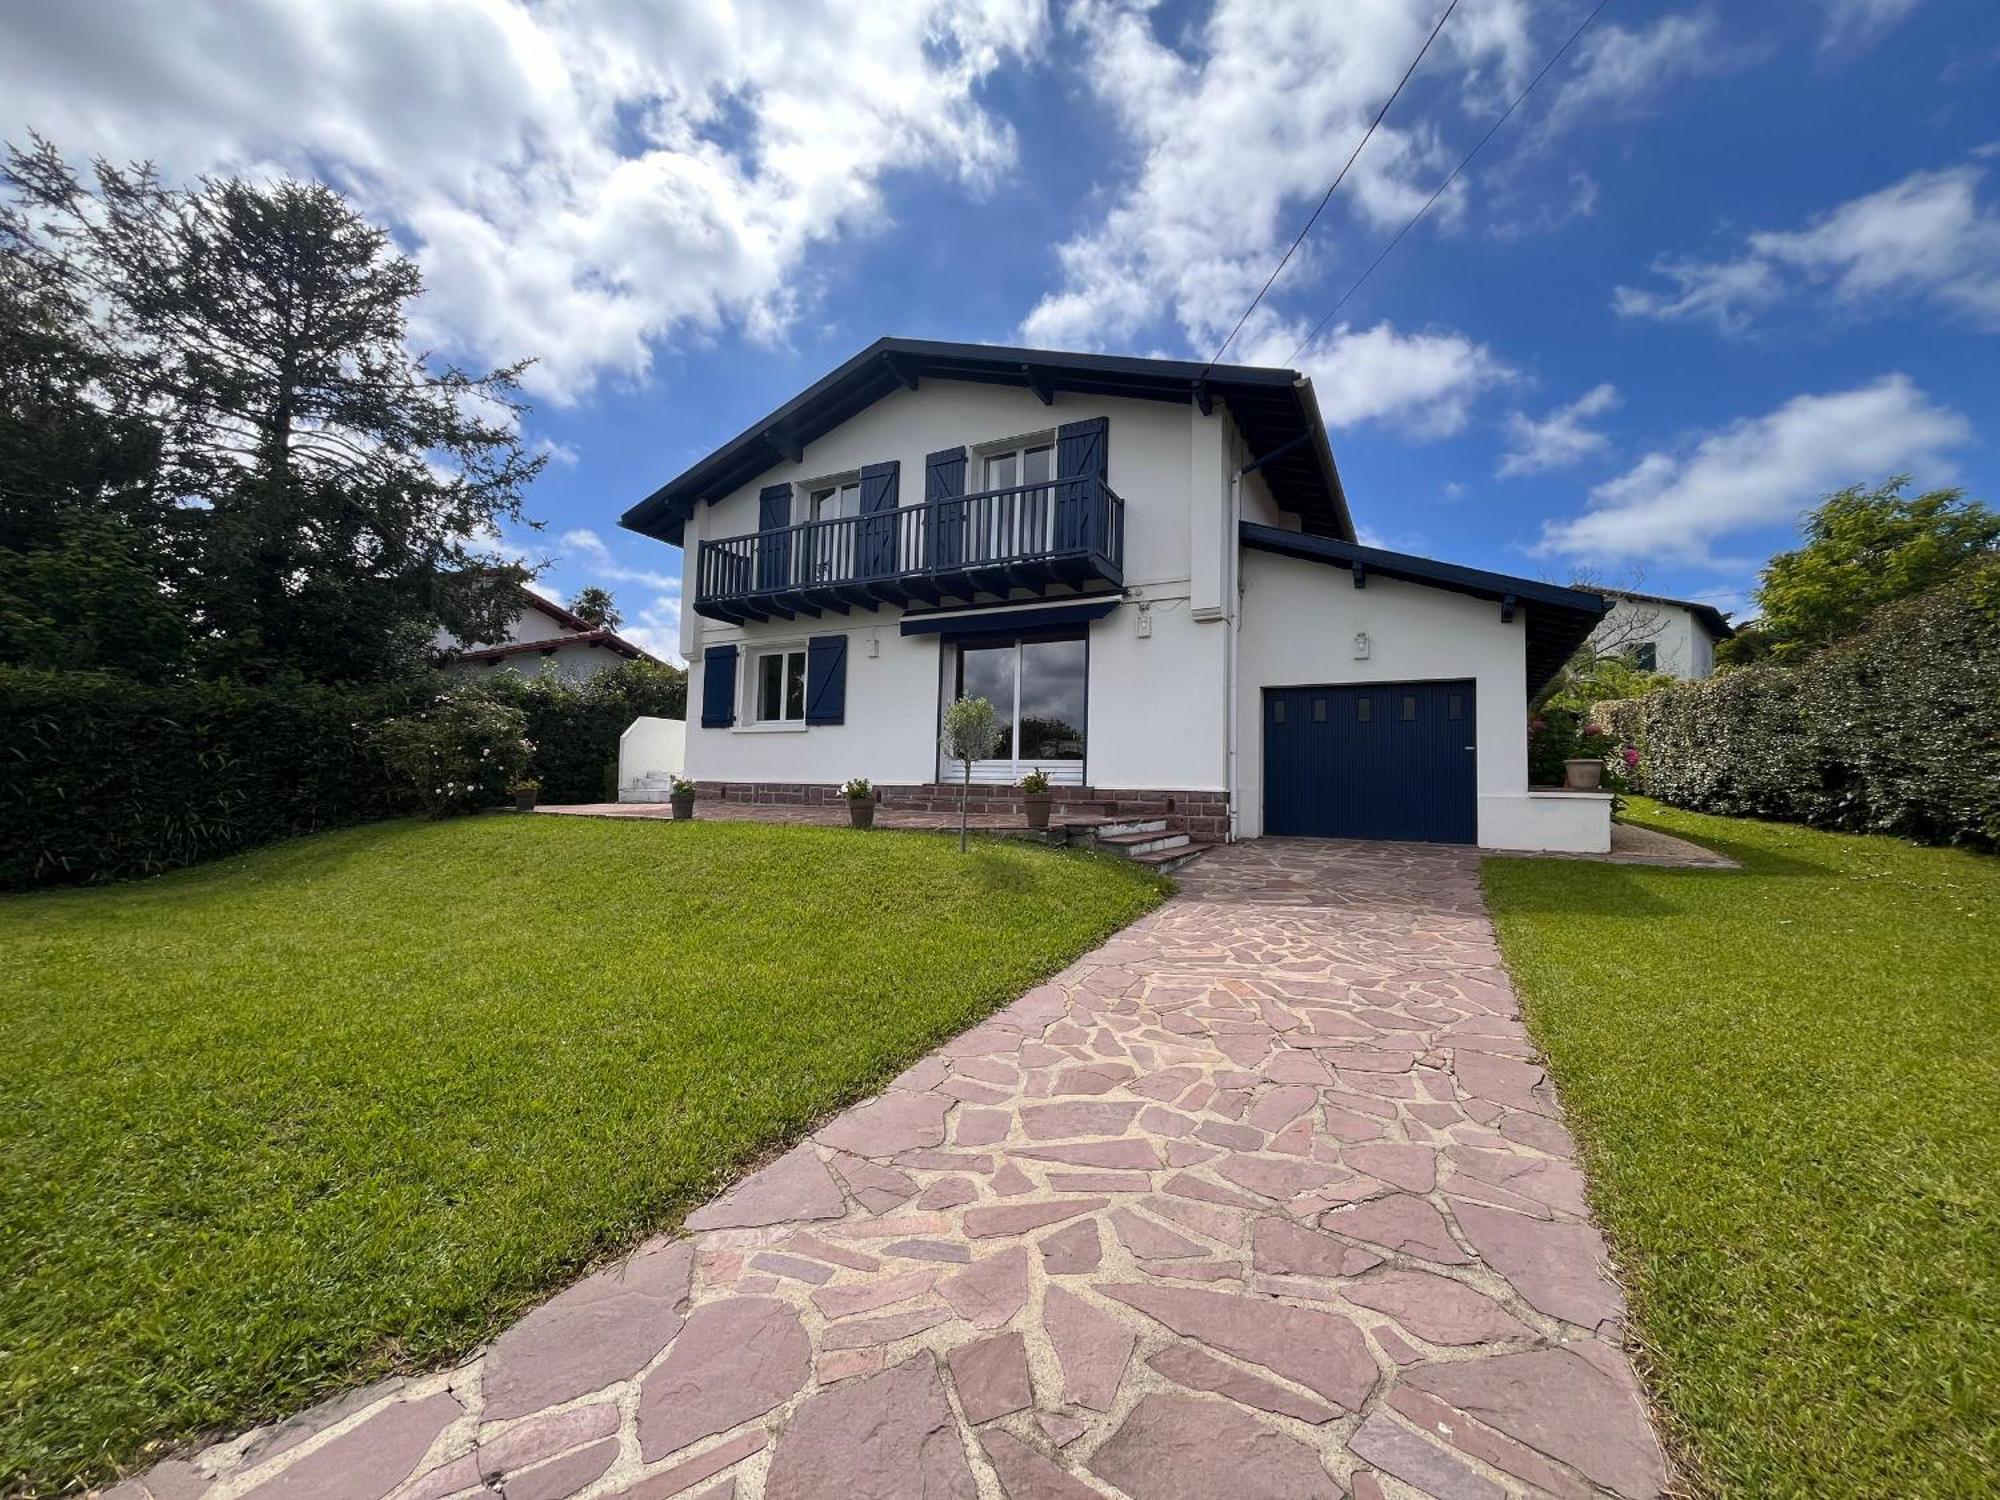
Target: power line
(1466,161)
(1327,197)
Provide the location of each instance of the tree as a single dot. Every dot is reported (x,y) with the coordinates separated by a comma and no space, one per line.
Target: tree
(971,732)
(596,605)
(1863,549)
(318,487)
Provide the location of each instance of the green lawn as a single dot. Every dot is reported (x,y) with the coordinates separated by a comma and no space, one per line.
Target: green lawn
(1787,1086)
(280,1124)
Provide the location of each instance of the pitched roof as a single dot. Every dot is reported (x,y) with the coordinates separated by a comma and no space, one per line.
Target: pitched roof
(1713,620)
(551,643)
(1275,410)
(1558,618)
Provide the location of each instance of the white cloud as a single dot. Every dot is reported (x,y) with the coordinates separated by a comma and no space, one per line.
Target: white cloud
(1761,471)
(1235,129)
(1422,383)
(1852,25)
(589,553)
(1927,236)
(1560,439)
(1621,71)
(581,180)
(657,628)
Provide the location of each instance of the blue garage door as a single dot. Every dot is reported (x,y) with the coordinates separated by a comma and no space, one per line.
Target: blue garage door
(1389,760)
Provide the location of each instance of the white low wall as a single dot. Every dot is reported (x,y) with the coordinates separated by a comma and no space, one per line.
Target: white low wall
(1547,822)
(655,748)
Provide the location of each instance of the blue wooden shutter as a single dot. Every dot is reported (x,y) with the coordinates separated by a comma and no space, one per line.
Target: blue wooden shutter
(944,482)
(718,687)
(774,546)
(1080,470)
(878,524)
(826,679)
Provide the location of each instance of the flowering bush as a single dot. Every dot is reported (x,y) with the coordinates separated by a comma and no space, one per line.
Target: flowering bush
(1893,730)
(464,752)
(856,789)
(1036,783)
(680,786)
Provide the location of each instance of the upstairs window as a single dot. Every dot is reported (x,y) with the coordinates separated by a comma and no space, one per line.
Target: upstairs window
(828,502)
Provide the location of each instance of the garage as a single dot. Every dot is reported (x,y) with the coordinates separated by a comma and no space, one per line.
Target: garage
(1375,760)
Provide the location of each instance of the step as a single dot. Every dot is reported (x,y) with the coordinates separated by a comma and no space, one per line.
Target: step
(1166,861)
(1152,841)
(1127,827)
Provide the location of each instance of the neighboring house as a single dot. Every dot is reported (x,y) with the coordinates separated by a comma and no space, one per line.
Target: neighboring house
(1675,636)
(544,637)
(1150,569)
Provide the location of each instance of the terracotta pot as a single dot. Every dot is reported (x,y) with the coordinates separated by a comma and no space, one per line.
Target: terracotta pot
(525,801)
(1037,806)
(683,806)
(1583,775)
(861,811)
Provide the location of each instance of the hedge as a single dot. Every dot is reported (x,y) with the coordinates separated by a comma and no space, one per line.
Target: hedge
(1893,730)
(107,779)
(575,726)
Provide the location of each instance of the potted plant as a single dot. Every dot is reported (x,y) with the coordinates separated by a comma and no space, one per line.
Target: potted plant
(860,801)
(525,791)
(681,791)
(1583,769)
(1035,798)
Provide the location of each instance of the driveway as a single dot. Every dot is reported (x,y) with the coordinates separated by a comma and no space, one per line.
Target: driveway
(1266,1197)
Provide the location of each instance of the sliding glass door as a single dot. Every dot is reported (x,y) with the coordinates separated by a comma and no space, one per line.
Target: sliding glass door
(1038,689)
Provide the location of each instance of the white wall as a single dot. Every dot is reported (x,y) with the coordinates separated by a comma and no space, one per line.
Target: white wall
(1299,620)
(651,747)
(575,663)
(1682,646)
(1156,704)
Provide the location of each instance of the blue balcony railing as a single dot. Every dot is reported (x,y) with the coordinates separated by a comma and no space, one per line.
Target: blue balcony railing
(1067,531)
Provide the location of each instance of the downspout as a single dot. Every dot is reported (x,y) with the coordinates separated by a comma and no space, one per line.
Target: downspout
(1232,611)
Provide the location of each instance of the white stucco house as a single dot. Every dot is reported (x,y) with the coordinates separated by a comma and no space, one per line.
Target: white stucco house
(1675,636)
(1148,566)
(542,637)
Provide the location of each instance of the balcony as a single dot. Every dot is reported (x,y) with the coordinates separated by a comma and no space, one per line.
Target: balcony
(1071,531)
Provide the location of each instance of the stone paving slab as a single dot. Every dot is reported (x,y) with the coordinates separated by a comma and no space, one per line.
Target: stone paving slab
(1267,1196)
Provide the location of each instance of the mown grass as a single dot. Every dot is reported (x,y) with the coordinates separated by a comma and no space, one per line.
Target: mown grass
(1786,1082)
(283,1123)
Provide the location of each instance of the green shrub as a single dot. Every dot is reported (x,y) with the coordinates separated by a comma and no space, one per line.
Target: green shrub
(574,726)
(462,752)
(107,779)
(1893,730)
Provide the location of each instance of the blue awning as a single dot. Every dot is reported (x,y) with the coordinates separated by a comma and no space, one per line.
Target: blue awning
(1017,621)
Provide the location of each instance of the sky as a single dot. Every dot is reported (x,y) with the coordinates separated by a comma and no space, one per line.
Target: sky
(1724,259)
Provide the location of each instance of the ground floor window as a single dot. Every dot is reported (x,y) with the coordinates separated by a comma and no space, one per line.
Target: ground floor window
(1038,688)
(778,681)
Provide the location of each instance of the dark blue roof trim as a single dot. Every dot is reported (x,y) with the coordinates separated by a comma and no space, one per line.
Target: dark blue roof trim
(1271,407)
(1007,621)
(1559,619)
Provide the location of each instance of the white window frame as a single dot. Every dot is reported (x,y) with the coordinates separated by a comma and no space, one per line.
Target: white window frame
(749,719)
(804,492)
(1016,448)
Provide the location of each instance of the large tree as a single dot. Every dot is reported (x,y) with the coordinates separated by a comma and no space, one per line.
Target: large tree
(1863,549)
(327,495)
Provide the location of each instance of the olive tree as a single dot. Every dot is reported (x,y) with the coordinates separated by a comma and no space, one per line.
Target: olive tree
(971,732)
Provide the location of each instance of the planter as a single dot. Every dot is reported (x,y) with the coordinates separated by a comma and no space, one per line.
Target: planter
(525,801)
(861,811)
(1037,808)
(1583,775)
(683,806)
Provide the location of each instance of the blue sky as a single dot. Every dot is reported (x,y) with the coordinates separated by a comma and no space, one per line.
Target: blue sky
(1724,259)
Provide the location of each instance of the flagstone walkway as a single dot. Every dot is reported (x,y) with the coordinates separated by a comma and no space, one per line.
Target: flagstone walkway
(1264,1199)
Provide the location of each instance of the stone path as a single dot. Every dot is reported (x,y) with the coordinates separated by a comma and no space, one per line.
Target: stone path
(1266,1199)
